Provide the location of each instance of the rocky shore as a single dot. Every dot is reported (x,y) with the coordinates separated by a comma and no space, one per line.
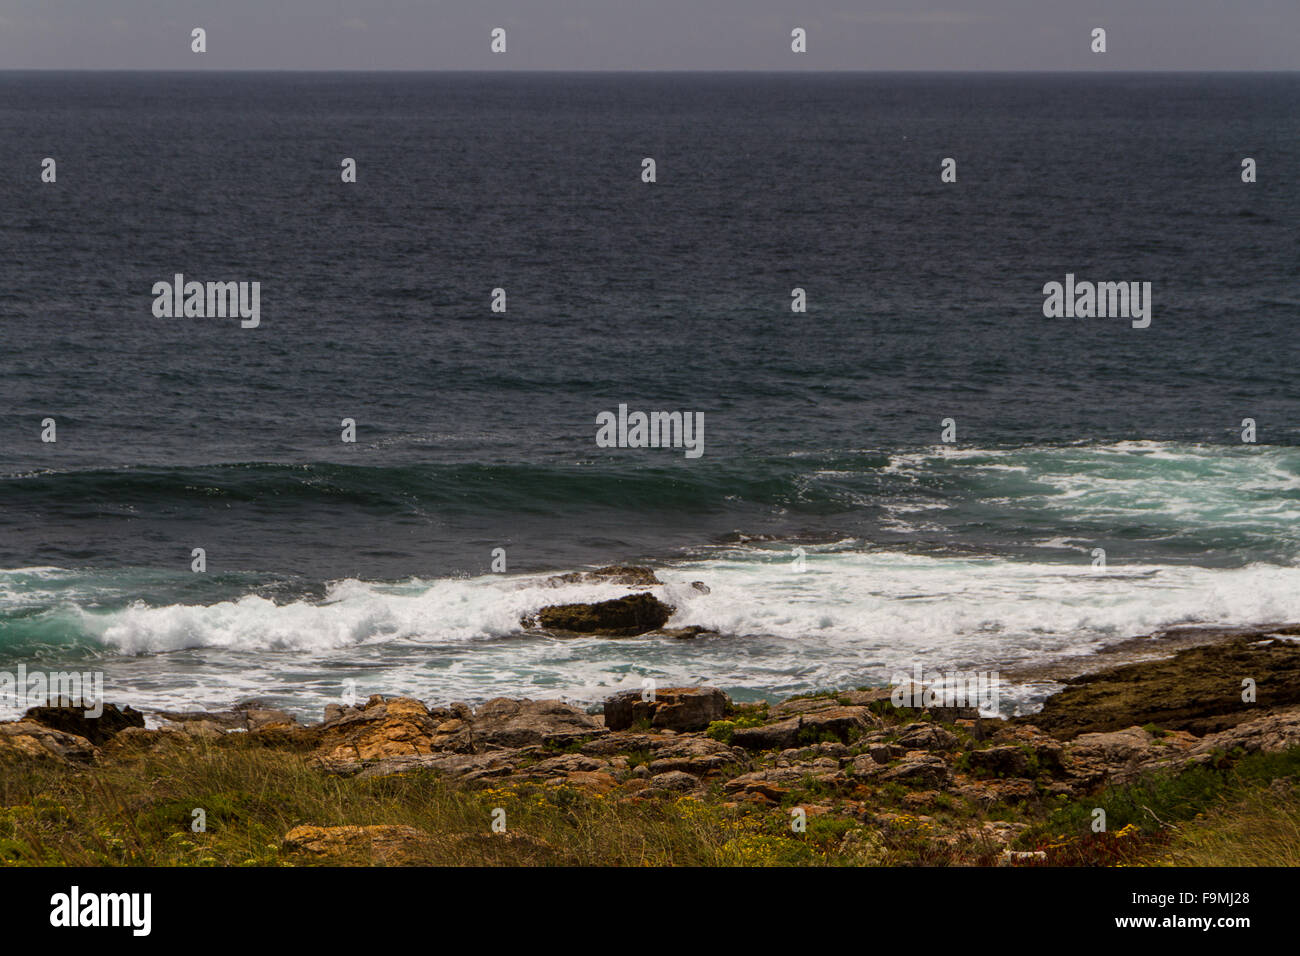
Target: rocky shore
(875,783)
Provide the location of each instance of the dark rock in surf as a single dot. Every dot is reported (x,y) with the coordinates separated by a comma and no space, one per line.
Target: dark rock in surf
(627,616)
(627,575)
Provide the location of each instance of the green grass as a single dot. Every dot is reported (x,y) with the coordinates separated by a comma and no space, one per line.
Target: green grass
(1148,815)
(137,812)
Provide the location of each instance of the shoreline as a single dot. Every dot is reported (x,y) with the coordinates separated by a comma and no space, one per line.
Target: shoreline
(841,778)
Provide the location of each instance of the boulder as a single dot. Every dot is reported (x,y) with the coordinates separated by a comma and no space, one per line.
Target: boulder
(843,723)
(506,722)
(627,616)
(674,780)
(693,755)
(384,844)
(771,784)
(673,708)
(398,726)
(919,770)
(27,739)
(926,736)
(73,720)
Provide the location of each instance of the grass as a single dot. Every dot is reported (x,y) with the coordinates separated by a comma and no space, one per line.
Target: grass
(138,812)
(137,809)
(1160,813)
(1262,829)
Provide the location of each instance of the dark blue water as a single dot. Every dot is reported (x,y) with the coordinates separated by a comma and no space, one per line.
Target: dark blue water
(477,430)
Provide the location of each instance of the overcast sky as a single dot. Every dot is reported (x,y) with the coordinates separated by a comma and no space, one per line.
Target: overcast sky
(651,34)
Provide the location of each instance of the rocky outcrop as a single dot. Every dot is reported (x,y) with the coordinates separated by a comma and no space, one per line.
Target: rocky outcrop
(672,708)
(389,732)
(1199,690)
(382,844)
(627,616)
(840,723)
(73,720)
(250,715)
(26,739)
(1269,733)
(694,755)
(398,726)
(505,722)
(627,575)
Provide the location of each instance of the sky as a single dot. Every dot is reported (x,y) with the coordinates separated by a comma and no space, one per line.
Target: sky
(650,34)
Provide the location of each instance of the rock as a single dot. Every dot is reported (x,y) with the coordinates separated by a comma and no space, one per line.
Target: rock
(73,720)
(779,735)
(248,715)
(884,753)
(612,744)
(592,781)
(1000,832)
(566,764)
(774,783)
(1120,748)
(521,723)
(687,633)
(926,736)
(1047,750)
(385,844)
(989,792)
(694,755)
(614,574)
(465,767)
(1269,733)
(139,738)
(802,705)
(843,723)
(673,708)
(267,718)
(27,739)
(1004,761)
(1197,690)
(674,780)
(200,728)
(399,726)
(1122,755)
(919,770)
(627,616)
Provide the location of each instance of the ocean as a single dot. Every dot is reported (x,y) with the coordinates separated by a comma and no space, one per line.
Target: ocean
(367,565)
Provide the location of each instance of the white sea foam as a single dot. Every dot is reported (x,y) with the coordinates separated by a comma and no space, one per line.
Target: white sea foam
(850,618)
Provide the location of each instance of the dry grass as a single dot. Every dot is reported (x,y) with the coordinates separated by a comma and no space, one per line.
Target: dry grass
(1263,829)
(138,811)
